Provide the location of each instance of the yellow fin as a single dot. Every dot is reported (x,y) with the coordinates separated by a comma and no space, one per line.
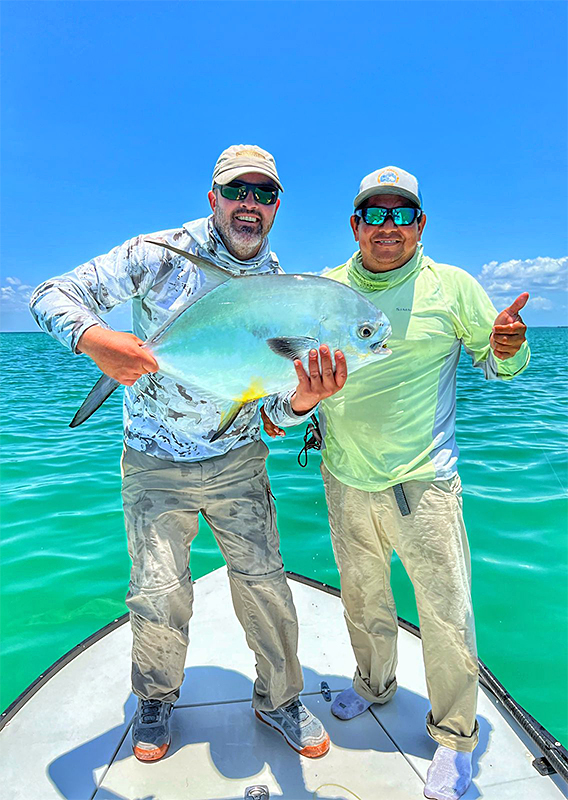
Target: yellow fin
(227,419)
(254,392)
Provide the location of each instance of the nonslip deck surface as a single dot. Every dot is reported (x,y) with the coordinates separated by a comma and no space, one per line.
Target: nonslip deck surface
(71,740)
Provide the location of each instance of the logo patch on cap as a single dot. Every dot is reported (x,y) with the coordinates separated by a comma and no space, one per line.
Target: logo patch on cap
(387,176)
(250,153)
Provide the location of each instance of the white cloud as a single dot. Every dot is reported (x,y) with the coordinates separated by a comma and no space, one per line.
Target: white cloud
(15,296)
(541,303)
(504,281)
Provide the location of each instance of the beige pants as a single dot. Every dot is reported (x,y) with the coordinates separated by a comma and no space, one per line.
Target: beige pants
(162,500)
(432,545)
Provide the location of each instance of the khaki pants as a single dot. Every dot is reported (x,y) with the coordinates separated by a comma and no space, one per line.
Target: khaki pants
(162,500)
(432,545)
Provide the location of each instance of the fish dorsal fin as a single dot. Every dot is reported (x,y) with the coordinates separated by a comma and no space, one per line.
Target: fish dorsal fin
(292,347)
(215,276)
(213,272)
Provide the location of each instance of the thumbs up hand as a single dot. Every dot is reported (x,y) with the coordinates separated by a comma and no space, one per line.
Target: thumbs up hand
(509,330)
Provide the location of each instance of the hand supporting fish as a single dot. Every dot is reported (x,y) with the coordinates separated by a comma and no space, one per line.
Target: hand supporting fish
(317,384)
(119,355)
(312,384)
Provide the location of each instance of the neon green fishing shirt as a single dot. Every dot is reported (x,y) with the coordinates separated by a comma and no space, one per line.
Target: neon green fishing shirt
(394,421)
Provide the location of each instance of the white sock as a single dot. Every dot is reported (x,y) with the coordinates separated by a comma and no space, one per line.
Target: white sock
(449,774)
(349,704)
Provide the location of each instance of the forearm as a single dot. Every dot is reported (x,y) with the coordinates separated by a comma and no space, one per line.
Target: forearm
(119,355)
(300,407)
(280,410)
(94,341)
(59,310)
(68,305)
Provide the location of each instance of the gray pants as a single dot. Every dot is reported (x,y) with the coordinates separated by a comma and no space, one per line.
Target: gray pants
(432,544)
(162,501)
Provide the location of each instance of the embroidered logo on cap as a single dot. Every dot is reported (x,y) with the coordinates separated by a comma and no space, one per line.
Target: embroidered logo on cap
(250,153)
(387,176)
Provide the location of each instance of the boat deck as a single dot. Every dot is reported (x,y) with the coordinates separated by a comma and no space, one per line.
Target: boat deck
(71,739)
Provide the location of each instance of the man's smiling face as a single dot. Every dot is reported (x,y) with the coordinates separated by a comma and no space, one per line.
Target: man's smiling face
(387,246)
(243,224)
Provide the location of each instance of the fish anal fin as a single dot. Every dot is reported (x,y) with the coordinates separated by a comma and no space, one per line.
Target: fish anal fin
(227,419)
(254,392)
(292,347)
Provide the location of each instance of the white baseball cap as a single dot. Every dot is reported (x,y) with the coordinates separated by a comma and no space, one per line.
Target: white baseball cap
(238,159)
(389,180)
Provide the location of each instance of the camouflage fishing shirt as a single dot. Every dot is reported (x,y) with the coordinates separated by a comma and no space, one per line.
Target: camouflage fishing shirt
(161,417)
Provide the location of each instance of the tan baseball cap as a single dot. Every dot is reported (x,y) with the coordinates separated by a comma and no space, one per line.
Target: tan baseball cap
(238,159)
(389,180)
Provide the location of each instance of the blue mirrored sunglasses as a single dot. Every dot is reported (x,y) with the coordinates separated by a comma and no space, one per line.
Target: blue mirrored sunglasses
(378,216)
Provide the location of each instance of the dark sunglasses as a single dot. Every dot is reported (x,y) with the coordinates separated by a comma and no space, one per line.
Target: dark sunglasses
(264,193)
(378,216)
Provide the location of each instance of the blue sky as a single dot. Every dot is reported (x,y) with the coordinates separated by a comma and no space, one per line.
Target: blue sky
(114,114)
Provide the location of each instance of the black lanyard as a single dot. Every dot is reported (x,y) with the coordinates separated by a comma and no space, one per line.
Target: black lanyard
(312,440)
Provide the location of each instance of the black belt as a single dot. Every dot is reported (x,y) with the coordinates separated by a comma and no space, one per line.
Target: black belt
(401,500)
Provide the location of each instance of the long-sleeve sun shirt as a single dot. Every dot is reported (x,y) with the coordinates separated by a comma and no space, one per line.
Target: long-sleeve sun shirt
(161,417)
(394,421)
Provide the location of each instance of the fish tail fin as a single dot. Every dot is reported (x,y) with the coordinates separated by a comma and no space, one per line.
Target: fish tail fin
(102,389)
(227,419)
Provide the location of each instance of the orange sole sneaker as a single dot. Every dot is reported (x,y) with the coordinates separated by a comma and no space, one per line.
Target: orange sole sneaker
(150,755)
(310,751)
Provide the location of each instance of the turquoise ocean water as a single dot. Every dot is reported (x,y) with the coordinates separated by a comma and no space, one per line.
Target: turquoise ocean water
(64,566)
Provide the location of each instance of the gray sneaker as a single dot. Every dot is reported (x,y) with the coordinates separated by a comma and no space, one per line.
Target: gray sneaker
(151,730)
(303,732)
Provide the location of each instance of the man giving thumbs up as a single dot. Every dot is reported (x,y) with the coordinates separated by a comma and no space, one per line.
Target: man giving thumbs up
(389,464)
(509,330)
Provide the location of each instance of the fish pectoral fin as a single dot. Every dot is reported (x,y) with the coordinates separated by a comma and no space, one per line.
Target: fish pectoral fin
(102,389)
(292,347)
(227,419)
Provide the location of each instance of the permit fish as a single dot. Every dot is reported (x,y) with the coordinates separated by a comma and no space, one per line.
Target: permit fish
(237,337)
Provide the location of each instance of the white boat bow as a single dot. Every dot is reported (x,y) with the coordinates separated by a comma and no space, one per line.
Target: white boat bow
(68,737)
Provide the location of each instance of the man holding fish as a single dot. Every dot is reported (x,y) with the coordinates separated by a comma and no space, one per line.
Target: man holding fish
(181,459)
(390,466)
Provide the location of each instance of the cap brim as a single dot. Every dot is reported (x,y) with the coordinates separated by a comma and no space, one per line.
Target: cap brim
(376,190)
(231,174)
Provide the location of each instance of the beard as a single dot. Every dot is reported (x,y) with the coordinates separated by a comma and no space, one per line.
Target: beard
(242,240)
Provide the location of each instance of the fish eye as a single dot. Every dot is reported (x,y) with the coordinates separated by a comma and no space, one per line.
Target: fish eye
(365,330)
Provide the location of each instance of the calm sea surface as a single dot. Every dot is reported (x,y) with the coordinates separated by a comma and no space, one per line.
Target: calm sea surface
(64,562)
